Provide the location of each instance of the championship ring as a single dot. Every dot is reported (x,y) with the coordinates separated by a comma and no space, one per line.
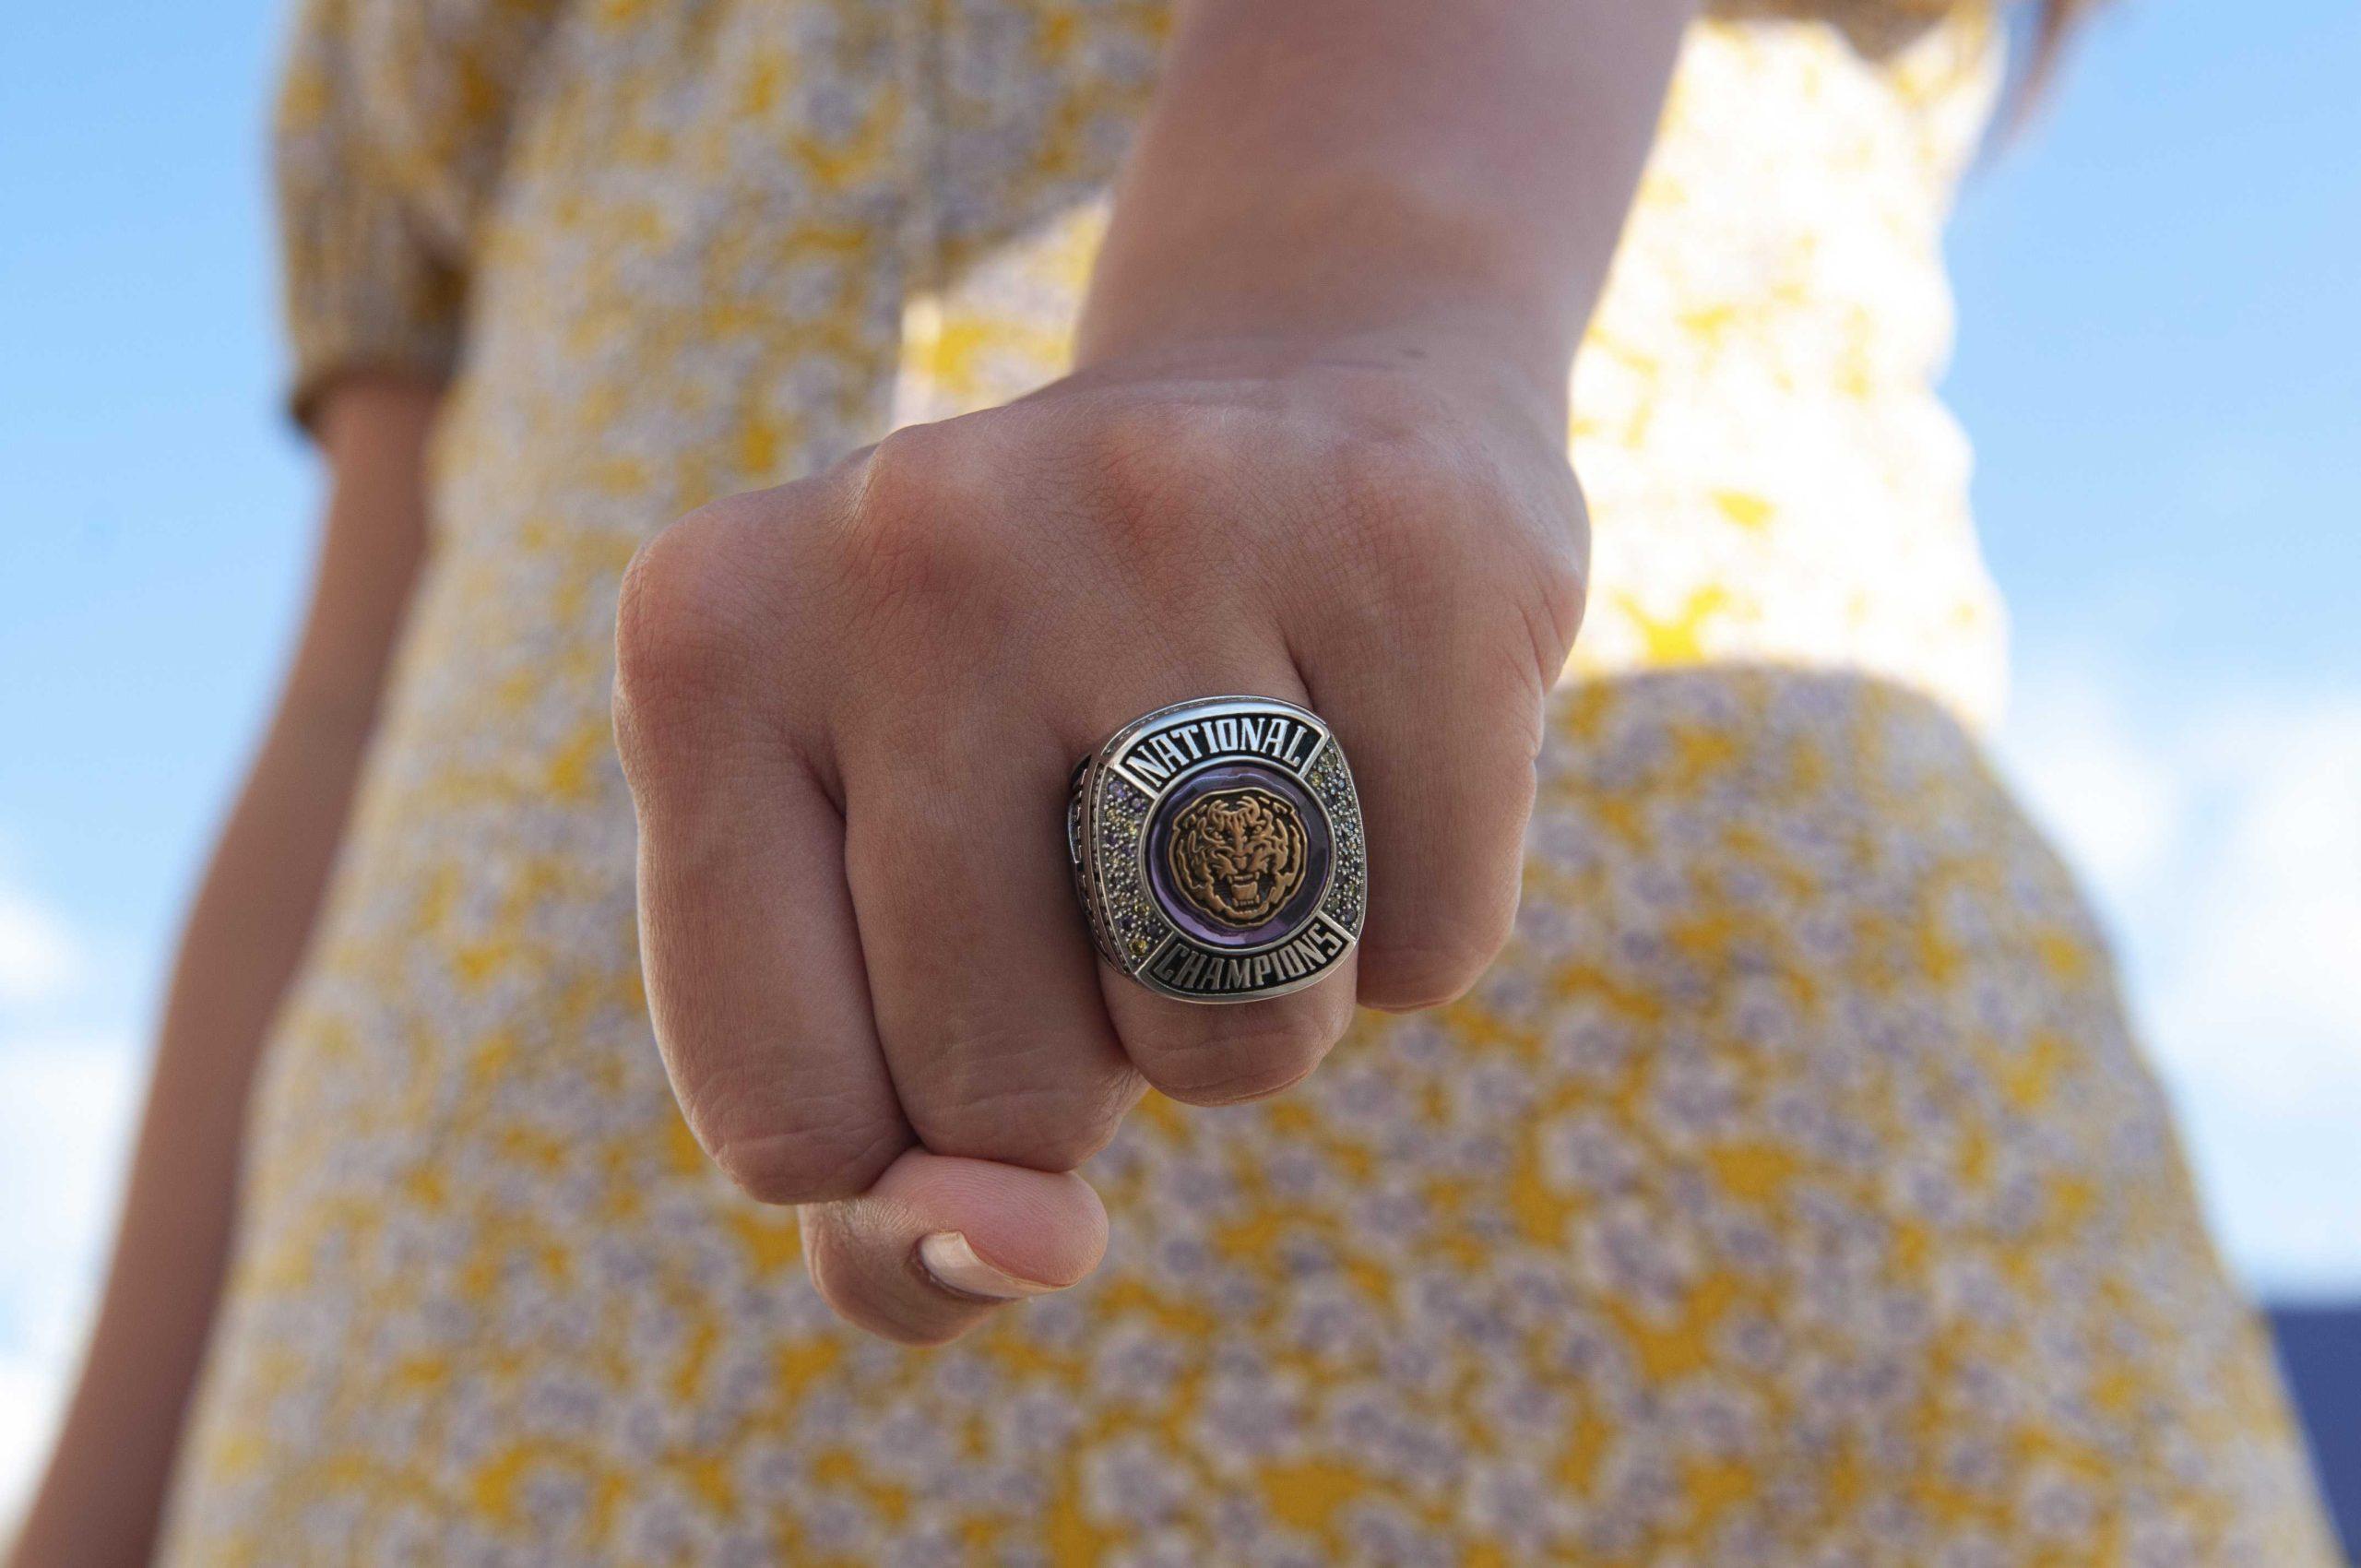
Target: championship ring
(1217,849)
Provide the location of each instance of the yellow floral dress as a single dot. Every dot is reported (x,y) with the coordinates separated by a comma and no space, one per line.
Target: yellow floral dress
(1789,1192)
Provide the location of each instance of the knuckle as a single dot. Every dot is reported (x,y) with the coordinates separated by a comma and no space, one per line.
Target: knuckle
(1142,456)
(1409,979)
(1439,541)
(1243,1063)
(1068,1144)
(1391,469)
(1564,591)
(1146,485)
(921,533)
(1402,501)
(678,619)
(1054,1126)
(1551,585)
(915,469)
(816,1162)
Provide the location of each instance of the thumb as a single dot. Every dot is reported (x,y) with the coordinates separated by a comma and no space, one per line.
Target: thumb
(939,1243)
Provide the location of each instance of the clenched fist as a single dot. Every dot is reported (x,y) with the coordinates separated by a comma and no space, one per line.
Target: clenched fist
(848,709)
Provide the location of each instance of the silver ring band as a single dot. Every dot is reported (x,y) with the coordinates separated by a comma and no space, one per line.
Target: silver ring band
(1217,849)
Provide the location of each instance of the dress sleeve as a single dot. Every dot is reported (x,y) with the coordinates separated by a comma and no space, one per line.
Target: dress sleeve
(363,288)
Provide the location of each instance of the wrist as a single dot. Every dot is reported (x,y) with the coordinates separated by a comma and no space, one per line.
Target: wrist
(1376,272)
(1400,374)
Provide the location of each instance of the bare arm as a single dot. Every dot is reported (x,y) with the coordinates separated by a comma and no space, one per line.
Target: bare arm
(1332,172)
(1316,451)
(100,1502)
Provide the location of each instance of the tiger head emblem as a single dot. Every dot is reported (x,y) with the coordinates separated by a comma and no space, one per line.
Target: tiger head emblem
(1237,855)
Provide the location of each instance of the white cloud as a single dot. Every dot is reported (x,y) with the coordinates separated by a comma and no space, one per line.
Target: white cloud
(39,960)
(29,1390)
(2222,836)
(2288,951)
(2093,775)
(65,1107)
(67,1085)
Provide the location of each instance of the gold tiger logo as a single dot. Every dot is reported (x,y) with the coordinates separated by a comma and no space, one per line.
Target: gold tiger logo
(1237,855)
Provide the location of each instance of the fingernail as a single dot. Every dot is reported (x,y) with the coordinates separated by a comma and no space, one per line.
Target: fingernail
(951,1263)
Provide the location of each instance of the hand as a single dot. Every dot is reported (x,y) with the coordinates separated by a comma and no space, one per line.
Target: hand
(848,706)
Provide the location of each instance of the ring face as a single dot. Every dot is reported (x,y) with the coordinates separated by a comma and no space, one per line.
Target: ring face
(1217,849)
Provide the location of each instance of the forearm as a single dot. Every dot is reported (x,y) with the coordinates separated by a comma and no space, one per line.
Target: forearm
(246,933)
(1391,170)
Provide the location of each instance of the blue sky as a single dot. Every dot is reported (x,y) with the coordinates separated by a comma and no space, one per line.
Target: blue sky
(2160,363)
